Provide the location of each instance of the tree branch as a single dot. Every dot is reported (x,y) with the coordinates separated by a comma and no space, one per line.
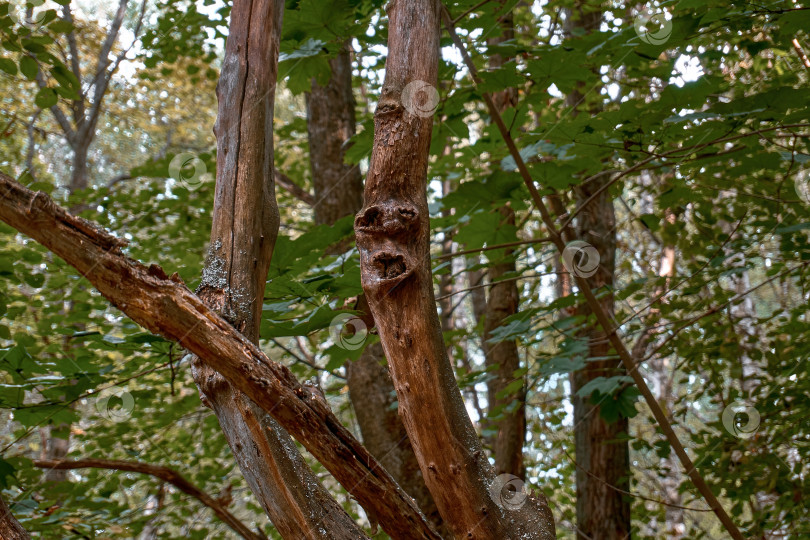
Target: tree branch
(164,473)
(166,307)
(607,324)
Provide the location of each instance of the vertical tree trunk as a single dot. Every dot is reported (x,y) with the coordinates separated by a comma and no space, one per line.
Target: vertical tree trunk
(338,190)
(502,358)
(393,236)
(338,186)
(244,231)
(602,451)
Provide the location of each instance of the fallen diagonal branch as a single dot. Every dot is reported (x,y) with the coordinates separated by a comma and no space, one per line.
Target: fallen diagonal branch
(165,306)
(158,471)
(610,328)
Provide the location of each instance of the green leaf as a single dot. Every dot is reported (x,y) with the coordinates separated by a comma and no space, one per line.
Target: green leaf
(45,98)
(29,67)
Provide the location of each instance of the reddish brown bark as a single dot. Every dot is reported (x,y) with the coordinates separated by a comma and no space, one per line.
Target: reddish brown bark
(338,193)
(243,233)
(507,410)
(166,307)
(158,471)
(393,236)
(10,528)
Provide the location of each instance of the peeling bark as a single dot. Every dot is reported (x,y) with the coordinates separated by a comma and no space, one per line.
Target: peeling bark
(165,306)
(163,473)
(10,528)
(243,233)
(393,236)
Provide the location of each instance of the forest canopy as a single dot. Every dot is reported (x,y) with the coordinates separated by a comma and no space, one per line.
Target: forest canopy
(409,269)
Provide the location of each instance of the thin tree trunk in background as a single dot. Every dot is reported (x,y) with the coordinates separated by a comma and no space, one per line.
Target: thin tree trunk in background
(602,450)
(10,528)
(331,122)
(393,237)
(243,233)
(502,358)
(338,192)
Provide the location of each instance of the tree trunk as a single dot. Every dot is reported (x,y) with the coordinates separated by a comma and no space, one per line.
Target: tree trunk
(10,528)
(374,400)
(602,451)
(502,359)
(338,190)
(244,231)
(338,186)
(393,237)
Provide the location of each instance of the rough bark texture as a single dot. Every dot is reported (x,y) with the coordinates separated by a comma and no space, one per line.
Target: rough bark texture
(338,186)
(502,358)
(338,192)
(374,400)
(158,471)
(10,528)
(165,306)
(244,231)
(393,236)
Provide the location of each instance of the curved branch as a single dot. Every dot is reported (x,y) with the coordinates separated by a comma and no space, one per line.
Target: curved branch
(165,306)
(158,471)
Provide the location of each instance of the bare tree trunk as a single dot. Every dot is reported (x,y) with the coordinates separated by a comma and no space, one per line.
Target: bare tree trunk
(244,231)
(10,528)
(393,236)
(331,122)
(602,451)
(502,359)
(374,400)
(338,190)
